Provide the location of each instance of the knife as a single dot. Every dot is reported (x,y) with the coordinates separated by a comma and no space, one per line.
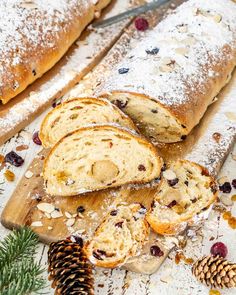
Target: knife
(130,13)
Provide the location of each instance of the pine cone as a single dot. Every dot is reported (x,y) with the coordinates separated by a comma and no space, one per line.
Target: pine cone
(69,269)
(215,271)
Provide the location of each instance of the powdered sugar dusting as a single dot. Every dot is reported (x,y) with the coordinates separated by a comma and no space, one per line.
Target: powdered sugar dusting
(180,53)
(28,28)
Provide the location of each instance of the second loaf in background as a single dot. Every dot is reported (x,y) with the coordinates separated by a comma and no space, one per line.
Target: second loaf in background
(167,81)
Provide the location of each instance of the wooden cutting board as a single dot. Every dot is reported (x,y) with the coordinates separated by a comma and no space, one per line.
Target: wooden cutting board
(200,146)
(83,55)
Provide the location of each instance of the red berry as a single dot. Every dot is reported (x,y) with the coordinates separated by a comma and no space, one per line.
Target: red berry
(141,24)
(36,138)
(220,249)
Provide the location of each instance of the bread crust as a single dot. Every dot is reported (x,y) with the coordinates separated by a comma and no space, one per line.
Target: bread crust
(123,130)
(44,133)
(35,60)
(173,228)
(192,96)
(118,262)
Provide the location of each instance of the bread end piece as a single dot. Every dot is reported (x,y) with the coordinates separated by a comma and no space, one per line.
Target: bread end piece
(186,190)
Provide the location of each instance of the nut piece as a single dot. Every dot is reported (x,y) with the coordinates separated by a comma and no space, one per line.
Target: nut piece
(37,224)
(46,207)
(182,50)
(104,170)
(217,18)
(29,174)
(70,222)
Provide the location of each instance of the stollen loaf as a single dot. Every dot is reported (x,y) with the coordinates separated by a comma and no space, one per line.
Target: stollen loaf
(169,78)
(99,157)
(120,236)
(186,189)
(34,35)
(77,113)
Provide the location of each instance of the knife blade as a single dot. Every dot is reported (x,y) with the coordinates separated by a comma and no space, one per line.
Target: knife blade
(130,13)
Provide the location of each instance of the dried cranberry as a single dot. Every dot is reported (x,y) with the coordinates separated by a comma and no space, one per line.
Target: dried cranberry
(36,138)
(141,167)
(172,204)
(156,251)
(80,209)
(173,182)
(153,51)
(219,248)
(154,111)
(123,71)
(225,188)
(119,224)
(14,159)
(234,183)
(141,24)
(113,213)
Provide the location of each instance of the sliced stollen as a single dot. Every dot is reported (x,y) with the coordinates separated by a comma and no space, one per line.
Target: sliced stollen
(186,190)
(77,113)
(120,236)
(168,79)
(99,157)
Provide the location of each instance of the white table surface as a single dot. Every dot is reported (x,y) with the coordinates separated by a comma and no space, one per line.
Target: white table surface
(171,279)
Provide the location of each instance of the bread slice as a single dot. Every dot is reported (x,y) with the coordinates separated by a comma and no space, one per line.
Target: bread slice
(120,236)
(77,113)
(99,157)
(186,189)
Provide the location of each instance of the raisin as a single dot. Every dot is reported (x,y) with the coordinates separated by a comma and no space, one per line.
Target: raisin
(34,72)
(234,183)
(141,167)
(163,168)
(173,182)
(225,188)
(97,254)
(183,137)
(119,224)
(80,209)
(120,104)
(193,201)
(156,251)
(36,138)
(172,204)
(186,182)
(14,159)
(153,51)
(113,213)
(122,71)
(154,111)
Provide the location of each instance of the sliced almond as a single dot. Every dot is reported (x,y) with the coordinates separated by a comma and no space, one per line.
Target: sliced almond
(70,222)
(67,214)
(29,174)
(56,214)
(189,41)
(48,215)
(217,18)
(169,174)
(182,50)
(183,29)
(28,5)
(37,224)
(231,116)
(166,68)
(46,207)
